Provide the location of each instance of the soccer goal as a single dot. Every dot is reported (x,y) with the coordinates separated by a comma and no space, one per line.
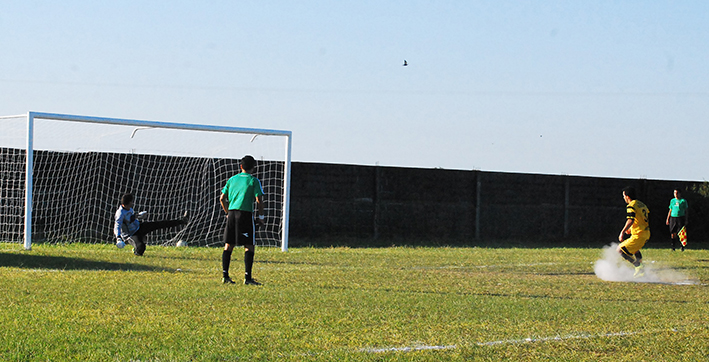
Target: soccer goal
(62,177)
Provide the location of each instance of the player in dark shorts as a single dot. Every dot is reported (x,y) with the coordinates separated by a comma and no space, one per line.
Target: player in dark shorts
(237,200)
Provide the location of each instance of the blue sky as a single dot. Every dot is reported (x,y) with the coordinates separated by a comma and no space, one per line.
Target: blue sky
(596,88)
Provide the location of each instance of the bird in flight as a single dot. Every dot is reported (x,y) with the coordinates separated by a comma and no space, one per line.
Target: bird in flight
(405,63)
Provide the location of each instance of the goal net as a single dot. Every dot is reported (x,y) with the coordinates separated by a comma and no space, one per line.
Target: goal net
(68,187)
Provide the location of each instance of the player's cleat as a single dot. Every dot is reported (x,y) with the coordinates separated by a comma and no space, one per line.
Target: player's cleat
(227,280)
(251,282)
(639,271)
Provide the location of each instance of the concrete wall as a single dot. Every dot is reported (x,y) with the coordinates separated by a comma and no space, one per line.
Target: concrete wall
(370,202)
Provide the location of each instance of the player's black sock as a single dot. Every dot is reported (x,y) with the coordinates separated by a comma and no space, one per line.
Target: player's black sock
(626,255)
(638,258)
(248,263)
(226,260)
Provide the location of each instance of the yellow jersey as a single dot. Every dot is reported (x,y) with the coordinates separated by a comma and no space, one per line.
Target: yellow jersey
(639,213)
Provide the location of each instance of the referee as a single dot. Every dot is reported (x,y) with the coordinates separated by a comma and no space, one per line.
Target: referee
(677,216)
(237,200)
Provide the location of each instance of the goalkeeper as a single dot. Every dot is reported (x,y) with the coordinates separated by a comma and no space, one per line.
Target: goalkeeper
(130,227)
(637,225)
(237,200)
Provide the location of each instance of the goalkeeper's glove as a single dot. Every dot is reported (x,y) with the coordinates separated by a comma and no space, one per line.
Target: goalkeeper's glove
(120,244)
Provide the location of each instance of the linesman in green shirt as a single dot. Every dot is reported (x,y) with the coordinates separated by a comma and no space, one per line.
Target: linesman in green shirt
(237,200)
(677,216)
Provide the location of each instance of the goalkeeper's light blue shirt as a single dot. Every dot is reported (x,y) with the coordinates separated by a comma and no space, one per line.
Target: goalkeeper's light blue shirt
(242,190)
(126,224)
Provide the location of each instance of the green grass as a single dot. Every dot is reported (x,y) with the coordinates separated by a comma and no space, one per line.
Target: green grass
(97,303)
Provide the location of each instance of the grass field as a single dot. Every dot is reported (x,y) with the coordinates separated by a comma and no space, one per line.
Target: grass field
(98,303)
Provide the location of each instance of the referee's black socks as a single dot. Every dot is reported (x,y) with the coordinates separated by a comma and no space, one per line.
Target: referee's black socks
(248,263)
(226,260)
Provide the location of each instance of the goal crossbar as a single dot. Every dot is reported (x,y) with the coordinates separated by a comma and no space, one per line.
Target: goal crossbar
(32,116)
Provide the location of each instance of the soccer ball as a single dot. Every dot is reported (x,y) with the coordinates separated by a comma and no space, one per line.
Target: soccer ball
(120,244)
(181,243)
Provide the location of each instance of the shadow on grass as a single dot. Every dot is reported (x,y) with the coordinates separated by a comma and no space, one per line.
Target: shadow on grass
(531,243)
(292,262)
(30,261)
(509,295)
(519,243)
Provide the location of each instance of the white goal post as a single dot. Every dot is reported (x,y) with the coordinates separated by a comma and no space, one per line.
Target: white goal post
(63,177)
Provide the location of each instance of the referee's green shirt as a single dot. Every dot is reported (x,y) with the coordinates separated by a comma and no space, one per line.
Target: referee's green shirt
(678,207)
(242,190)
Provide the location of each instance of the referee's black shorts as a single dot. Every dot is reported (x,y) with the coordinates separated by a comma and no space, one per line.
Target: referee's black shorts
(676,224)
(239,228)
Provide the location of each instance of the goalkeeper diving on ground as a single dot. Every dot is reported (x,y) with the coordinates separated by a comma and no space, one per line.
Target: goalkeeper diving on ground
(132,228)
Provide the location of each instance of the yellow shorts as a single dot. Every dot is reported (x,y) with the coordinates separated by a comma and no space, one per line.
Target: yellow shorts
(635,242)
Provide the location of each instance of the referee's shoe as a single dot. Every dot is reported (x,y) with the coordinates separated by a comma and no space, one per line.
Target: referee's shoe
(251,281)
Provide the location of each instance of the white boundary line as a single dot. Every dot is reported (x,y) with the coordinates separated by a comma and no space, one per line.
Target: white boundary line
(407,349)
(559,338)
(514,341)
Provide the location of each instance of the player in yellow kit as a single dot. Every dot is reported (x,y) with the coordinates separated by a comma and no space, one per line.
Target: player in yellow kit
(638,226)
